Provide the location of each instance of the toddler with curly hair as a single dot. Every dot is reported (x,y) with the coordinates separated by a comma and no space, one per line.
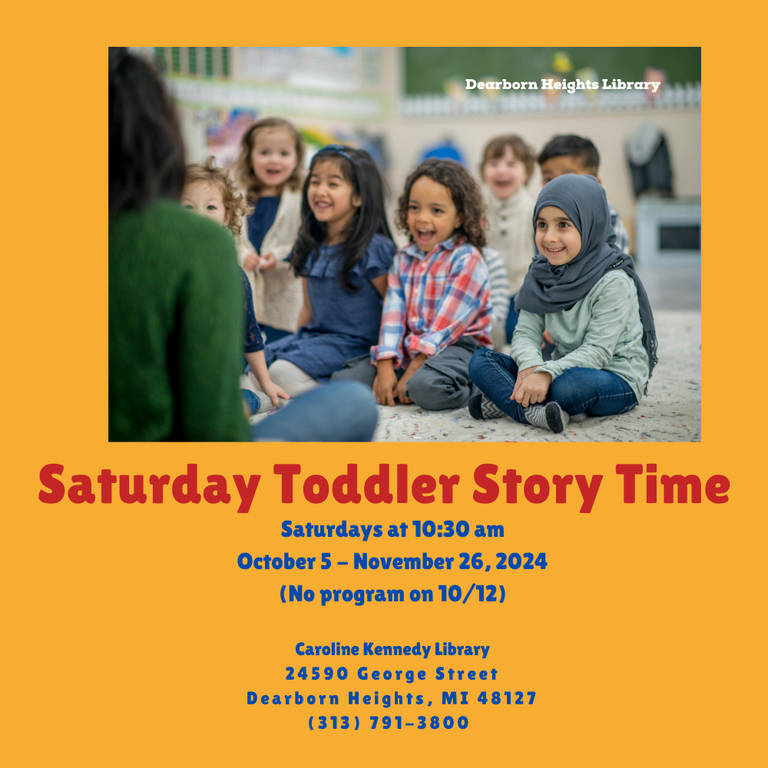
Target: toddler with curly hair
(436,310)
(210,191)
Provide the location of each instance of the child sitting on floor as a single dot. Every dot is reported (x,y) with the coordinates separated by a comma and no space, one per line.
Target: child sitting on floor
(500,301)
(575,154)
(506,167)
(436,311)
(270,172)
(210,192)
(587,294)
(342,253)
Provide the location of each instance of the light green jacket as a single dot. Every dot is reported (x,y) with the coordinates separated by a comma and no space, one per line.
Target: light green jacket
(602,331)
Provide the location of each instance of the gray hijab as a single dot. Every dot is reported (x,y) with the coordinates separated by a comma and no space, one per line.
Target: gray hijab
(549,289)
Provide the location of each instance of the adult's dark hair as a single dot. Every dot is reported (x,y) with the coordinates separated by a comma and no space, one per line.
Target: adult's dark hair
(146,153)
(573,146)
(464,191)
(360,171)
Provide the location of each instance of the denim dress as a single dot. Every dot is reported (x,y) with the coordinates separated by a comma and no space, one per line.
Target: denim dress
(344,325)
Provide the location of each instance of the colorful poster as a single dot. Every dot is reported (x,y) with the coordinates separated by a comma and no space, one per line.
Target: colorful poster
(583,604)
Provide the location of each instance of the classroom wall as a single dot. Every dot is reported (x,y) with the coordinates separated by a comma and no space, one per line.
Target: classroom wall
(406,138)
(609,133)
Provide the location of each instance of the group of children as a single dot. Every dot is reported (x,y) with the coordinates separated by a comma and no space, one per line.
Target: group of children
(425,323)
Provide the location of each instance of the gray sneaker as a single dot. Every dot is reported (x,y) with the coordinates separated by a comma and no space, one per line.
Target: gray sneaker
(550,416)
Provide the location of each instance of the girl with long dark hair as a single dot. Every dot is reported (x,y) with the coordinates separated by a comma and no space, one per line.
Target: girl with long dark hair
(343,253)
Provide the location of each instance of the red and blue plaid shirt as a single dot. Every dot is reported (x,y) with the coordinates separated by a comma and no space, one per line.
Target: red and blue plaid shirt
(433,299)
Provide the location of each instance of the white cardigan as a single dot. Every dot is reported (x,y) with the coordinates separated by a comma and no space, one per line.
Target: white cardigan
(510,232)
(277,295)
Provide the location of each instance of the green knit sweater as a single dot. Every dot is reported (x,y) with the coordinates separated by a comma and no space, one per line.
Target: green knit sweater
(175,328)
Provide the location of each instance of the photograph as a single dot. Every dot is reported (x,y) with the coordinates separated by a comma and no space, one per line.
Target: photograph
(400,223)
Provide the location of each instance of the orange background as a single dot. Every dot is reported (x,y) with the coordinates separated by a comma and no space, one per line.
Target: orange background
(132,637)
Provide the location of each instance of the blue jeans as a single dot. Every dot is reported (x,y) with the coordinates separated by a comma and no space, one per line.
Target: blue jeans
(343,412)
(576,390)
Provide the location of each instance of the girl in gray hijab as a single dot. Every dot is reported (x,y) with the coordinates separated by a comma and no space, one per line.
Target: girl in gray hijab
(584,290)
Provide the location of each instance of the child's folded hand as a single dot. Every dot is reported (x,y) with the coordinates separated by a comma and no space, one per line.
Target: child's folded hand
(267,262)
(251,261)
(524,374)
(521,376)
(533,389)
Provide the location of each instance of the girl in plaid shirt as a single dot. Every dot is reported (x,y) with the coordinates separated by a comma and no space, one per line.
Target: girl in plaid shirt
(436,310)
